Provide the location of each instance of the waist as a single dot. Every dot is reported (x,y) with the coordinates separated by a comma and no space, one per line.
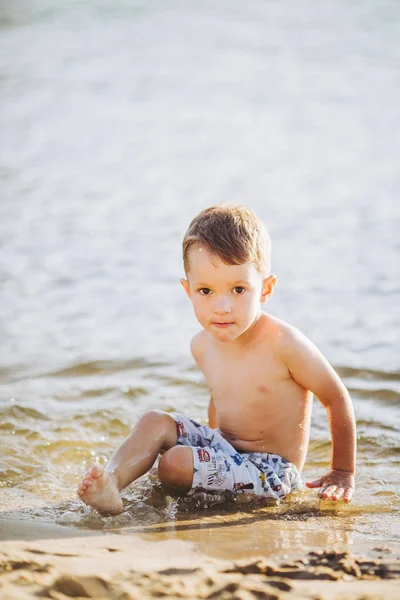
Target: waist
(260,446)
(243,445)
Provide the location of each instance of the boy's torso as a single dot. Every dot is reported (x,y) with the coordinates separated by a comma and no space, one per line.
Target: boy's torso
(259,406)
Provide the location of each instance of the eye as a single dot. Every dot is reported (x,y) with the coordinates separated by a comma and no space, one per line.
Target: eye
(204,291)
(239,289)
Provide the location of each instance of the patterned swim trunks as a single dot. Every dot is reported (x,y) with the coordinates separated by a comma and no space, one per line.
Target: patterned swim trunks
(219,466)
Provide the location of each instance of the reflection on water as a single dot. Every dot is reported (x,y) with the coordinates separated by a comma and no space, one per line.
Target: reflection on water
(48,450)
(118,124)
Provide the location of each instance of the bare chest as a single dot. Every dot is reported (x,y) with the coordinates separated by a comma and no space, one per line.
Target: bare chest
(246,378)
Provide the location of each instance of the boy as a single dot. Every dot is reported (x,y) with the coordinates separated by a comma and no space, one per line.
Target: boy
(261,373)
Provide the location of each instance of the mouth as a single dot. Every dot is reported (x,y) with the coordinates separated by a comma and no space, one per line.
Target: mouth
(222,325)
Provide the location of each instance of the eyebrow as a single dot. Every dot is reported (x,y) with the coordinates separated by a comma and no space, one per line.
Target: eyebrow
(232,283)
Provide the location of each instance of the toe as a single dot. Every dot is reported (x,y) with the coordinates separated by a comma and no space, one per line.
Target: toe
(96,471)
(84,485)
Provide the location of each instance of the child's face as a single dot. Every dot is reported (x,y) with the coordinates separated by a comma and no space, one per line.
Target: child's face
(226,298)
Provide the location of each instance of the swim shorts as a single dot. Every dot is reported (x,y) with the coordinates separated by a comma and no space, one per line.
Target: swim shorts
(219,466)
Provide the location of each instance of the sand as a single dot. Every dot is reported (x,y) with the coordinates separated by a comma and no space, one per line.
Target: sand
(57,562)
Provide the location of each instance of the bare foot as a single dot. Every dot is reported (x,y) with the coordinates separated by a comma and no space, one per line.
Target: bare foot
(99,489)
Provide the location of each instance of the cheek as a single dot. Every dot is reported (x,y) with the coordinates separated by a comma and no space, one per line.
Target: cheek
(198,307)
(251,305)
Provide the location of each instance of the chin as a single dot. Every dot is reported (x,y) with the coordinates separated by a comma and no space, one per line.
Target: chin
(225,337)
(220,336)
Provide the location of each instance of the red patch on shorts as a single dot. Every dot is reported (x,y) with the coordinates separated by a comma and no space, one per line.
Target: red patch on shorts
(203,455)
(244,486)
(180,430)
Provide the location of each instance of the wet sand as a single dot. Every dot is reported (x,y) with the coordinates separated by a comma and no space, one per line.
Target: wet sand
(62,562)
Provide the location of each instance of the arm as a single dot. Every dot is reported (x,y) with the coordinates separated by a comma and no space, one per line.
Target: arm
(198,348)
(212,415)
(312,371)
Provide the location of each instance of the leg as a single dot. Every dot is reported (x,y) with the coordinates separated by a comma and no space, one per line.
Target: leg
(155,431)
(175,468)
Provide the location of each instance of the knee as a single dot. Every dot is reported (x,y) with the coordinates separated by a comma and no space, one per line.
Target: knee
(158,426)
(155,417)
(175,468)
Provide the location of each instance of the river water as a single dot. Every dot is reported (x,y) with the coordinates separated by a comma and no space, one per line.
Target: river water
(119,122)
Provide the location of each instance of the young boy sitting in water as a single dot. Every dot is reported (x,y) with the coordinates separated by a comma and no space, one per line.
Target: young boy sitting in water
(261,373)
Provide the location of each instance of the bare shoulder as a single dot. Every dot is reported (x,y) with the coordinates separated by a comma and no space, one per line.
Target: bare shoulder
(306,363)
(199,345)
(286,338)
(281,332)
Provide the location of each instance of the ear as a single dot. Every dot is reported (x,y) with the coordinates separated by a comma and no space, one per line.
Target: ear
(268,288)
(185,285)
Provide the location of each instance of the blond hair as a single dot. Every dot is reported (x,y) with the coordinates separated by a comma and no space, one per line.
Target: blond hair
(233,232)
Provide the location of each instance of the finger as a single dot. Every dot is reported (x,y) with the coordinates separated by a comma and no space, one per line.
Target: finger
(348,494)
(314,484)
(326,492)
(337,495)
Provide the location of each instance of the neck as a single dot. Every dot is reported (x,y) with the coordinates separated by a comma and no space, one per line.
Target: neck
(247,337)
(251,333)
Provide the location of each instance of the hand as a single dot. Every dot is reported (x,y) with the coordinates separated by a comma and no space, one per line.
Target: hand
(336,485)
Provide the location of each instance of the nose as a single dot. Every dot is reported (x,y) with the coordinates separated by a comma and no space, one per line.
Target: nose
(222,306)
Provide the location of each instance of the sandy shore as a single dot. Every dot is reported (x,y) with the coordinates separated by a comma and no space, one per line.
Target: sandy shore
(59,563)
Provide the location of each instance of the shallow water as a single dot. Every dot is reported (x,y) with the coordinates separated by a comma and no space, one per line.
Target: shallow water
(118,124)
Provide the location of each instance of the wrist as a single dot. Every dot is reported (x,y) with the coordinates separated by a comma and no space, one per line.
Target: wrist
(346,471)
